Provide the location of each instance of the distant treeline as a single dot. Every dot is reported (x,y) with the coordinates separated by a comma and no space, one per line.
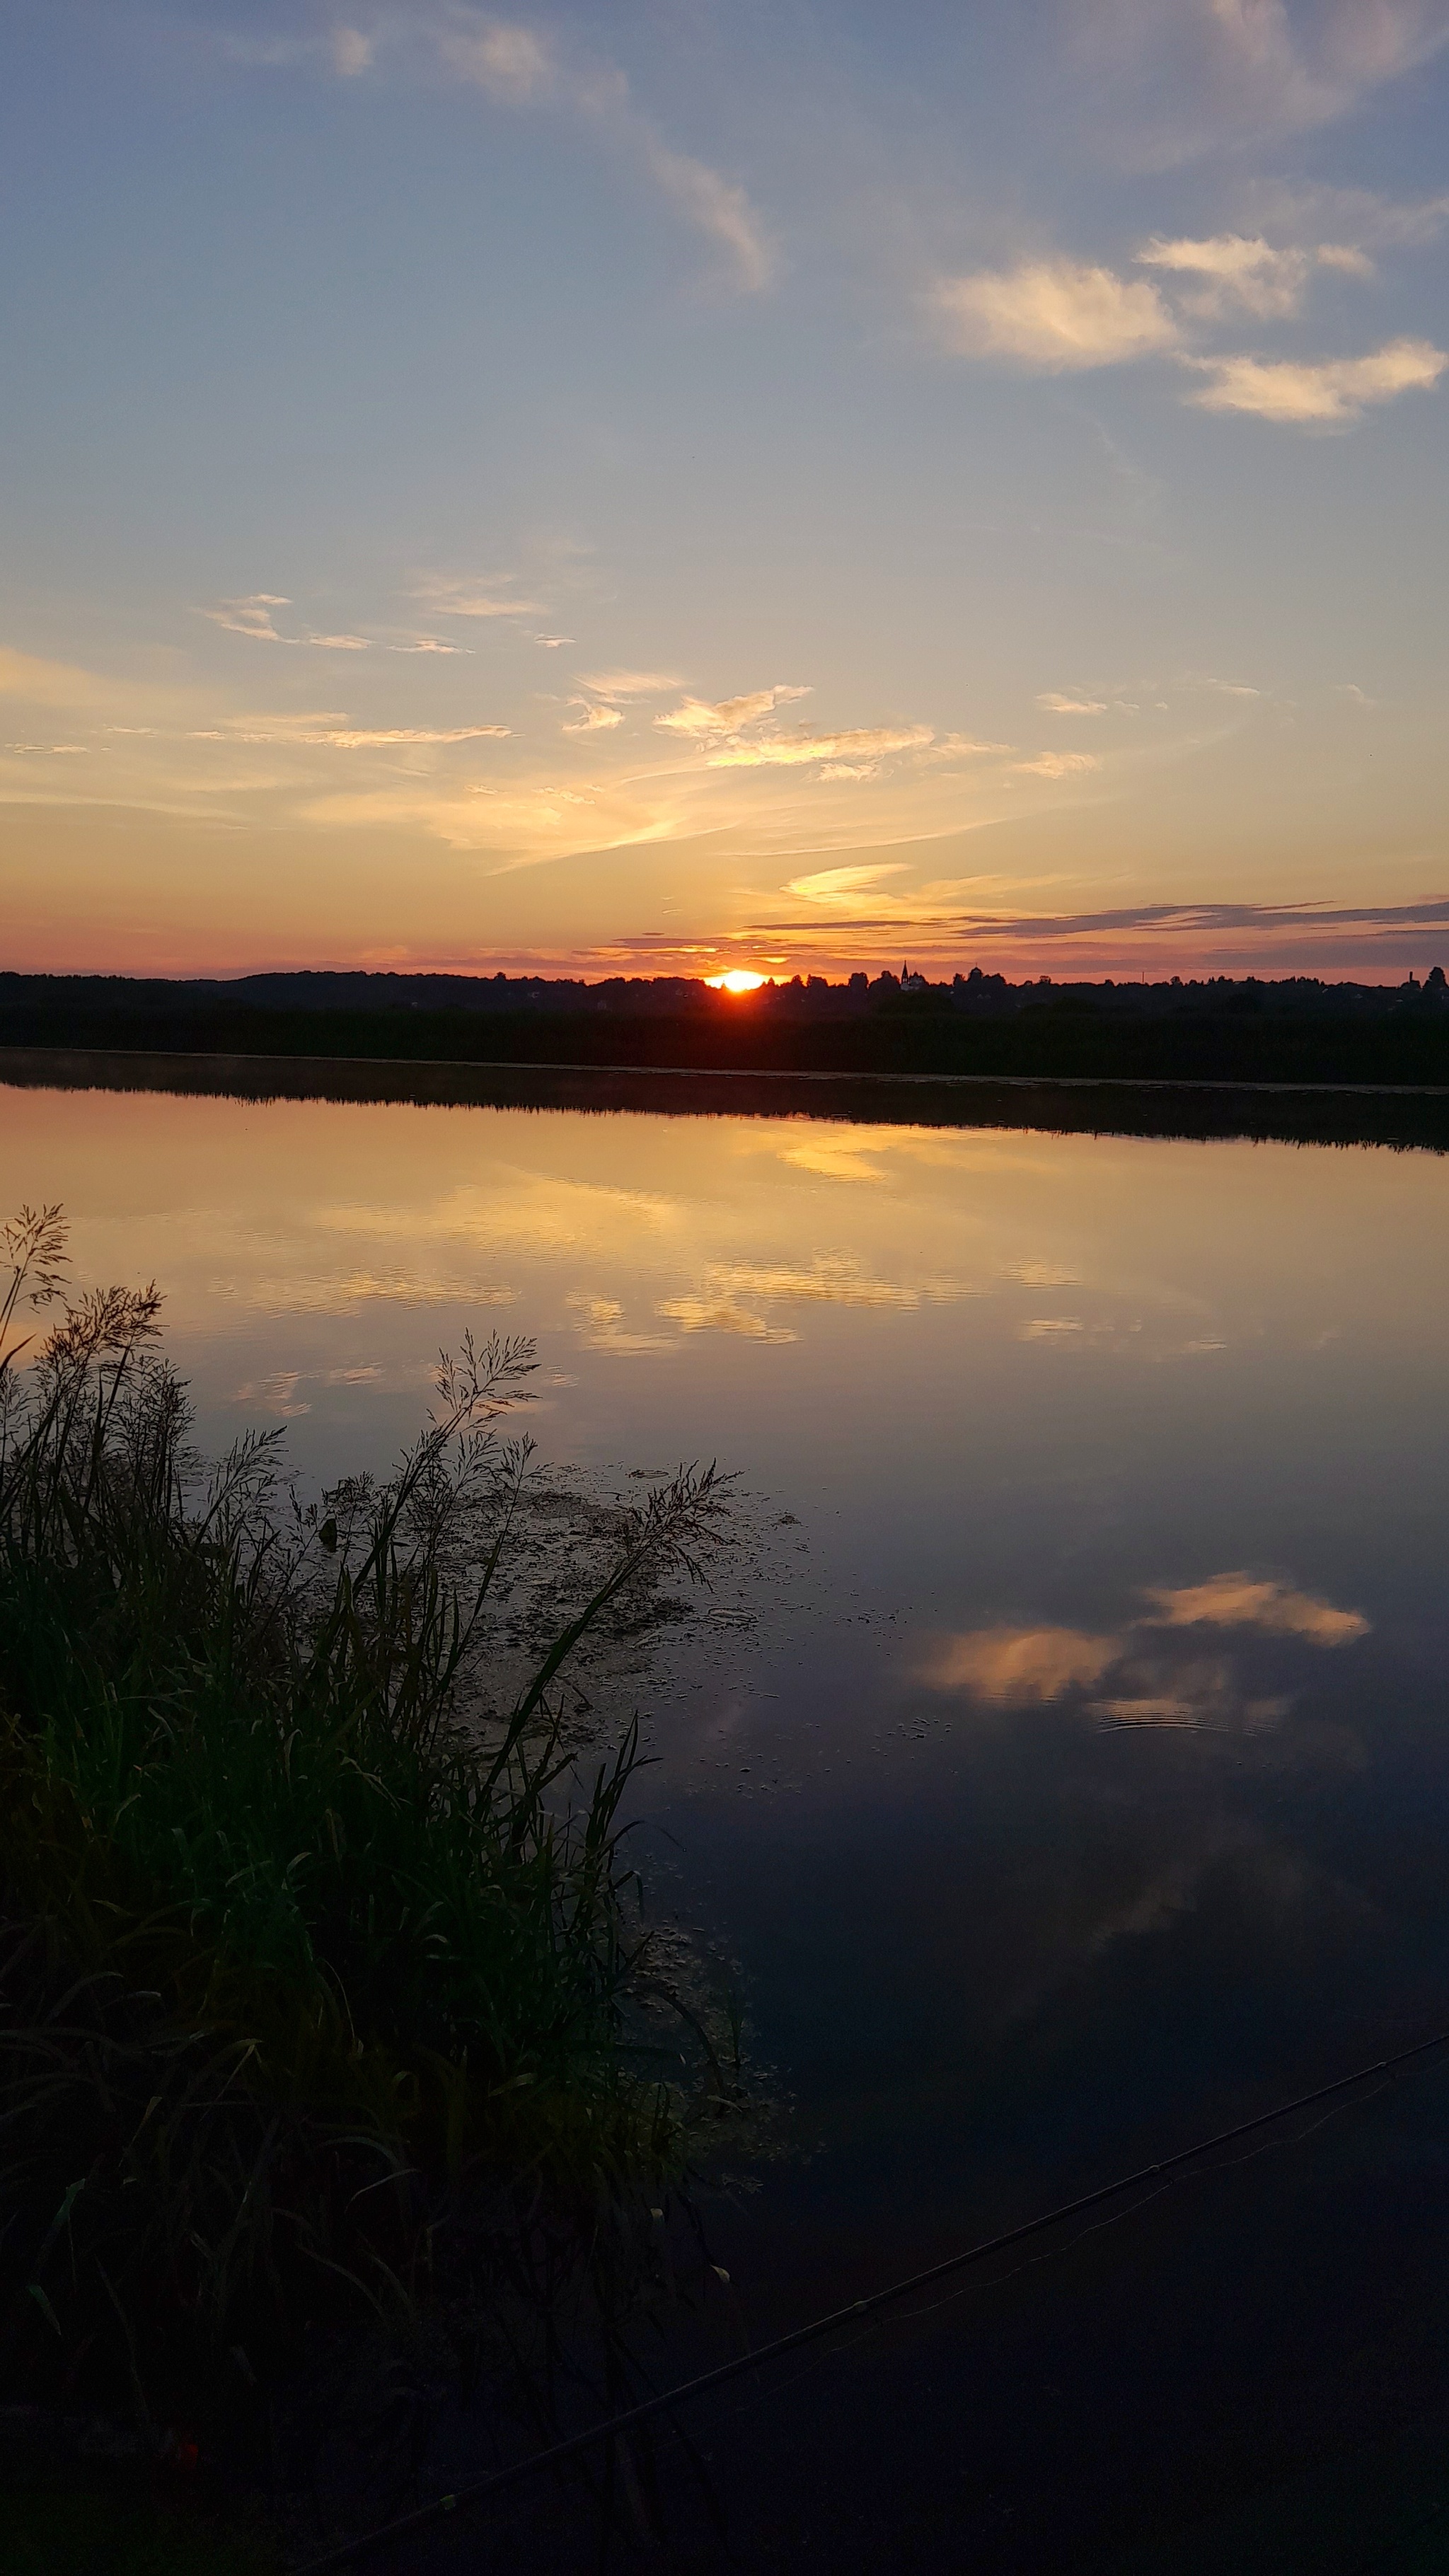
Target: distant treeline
(1219,1030)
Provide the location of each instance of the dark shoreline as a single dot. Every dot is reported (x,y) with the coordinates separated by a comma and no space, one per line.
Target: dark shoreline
(1404,1116)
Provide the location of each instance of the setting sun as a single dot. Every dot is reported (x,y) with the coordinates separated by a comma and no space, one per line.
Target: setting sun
(740,979)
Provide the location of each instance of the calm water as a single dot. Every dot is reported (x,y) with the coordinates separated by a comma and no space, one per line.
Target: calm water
(1086,1782)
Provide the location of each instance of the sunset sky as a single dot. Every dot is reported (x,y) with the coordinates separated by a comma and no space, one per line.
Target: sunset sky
(686,484)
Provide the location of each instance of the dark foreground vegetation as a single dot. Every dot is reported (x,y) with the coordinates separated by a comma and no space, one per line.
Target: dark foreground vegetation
(1297,1030)
(324,2015)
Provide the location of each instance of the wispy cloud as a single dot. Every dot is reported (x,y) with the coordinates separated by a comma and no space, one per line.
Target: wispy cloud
(592,717)
(1355,215)
(1019,1667)
(1175,78)
(1328,393)
(718,207)
(352,52)
(1054,703)
(1236,273)
(449,594)
(251,616)
(511,64)
(629,684)
(1052,314)
(1058,764)
(333,733)
(704,722)
(830,886)
(845,752)
(516,67)
(1253,1601)
(1033,1667)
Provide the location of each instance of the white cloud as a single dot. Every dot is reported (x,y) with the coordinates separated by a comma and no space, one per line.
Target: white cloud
(592,718)
(964,746)
(1355,215)
(1325,394)
(1058,764)
(1054,704)
(352,52)
(510,63)
(1180,77)
(831,886)
(788,751)
(703,722)
(719,208)
(370,738)
(461,595)
(1245,274)
(341,643)
(626,684)
(333,733)
(516,68)
(1053,314)
(251,616)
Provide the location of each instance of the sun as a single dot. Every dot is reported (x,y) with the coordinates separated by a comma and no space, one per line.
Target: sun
(740,979)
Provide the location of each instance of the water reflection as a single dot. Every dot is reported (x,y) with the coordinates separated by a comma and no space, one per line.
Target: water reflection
(1086,1764)
(1145,1686)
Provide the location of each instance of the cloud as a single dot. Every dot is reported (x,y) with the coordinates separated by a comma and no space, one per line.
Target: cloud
(721,1315)
(1057,764)
(460,595)
(1052,314)
(1354,214)
(510,63)
(335,735)
(1240,274)
(704,722)
(251,616)
(1324,394)
(516,68)
(602,1327)
(1019,1667)
(1181,77)
(1254,1601)
(718,208)
(841,885)
(625,684)
(866,745)
(352,52)
(1054,704)
(592,718)
(833,1279)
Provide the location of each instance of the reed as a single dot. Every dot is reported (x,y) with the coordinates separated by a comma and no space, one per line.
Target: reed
(324,2001)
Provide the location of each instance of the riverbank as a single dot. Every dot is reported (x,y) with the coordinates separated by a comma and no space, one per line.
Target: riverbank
(332,2025)
(1398,1115)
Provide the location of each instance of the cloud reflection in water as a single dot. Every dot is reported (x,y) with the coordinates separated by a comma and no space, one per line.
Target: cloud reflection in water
(1005,1668)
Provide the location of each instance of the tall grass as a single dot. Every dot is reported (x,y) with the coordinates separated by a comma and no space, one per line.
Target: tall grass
(320,2003)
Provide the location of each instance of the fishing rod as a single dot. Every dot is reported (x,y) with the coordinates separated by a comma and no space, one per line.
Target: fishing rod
(479,2490)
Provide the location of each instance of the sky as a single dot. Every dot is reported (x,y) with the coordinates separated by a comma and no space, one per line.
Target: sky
(696,484)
